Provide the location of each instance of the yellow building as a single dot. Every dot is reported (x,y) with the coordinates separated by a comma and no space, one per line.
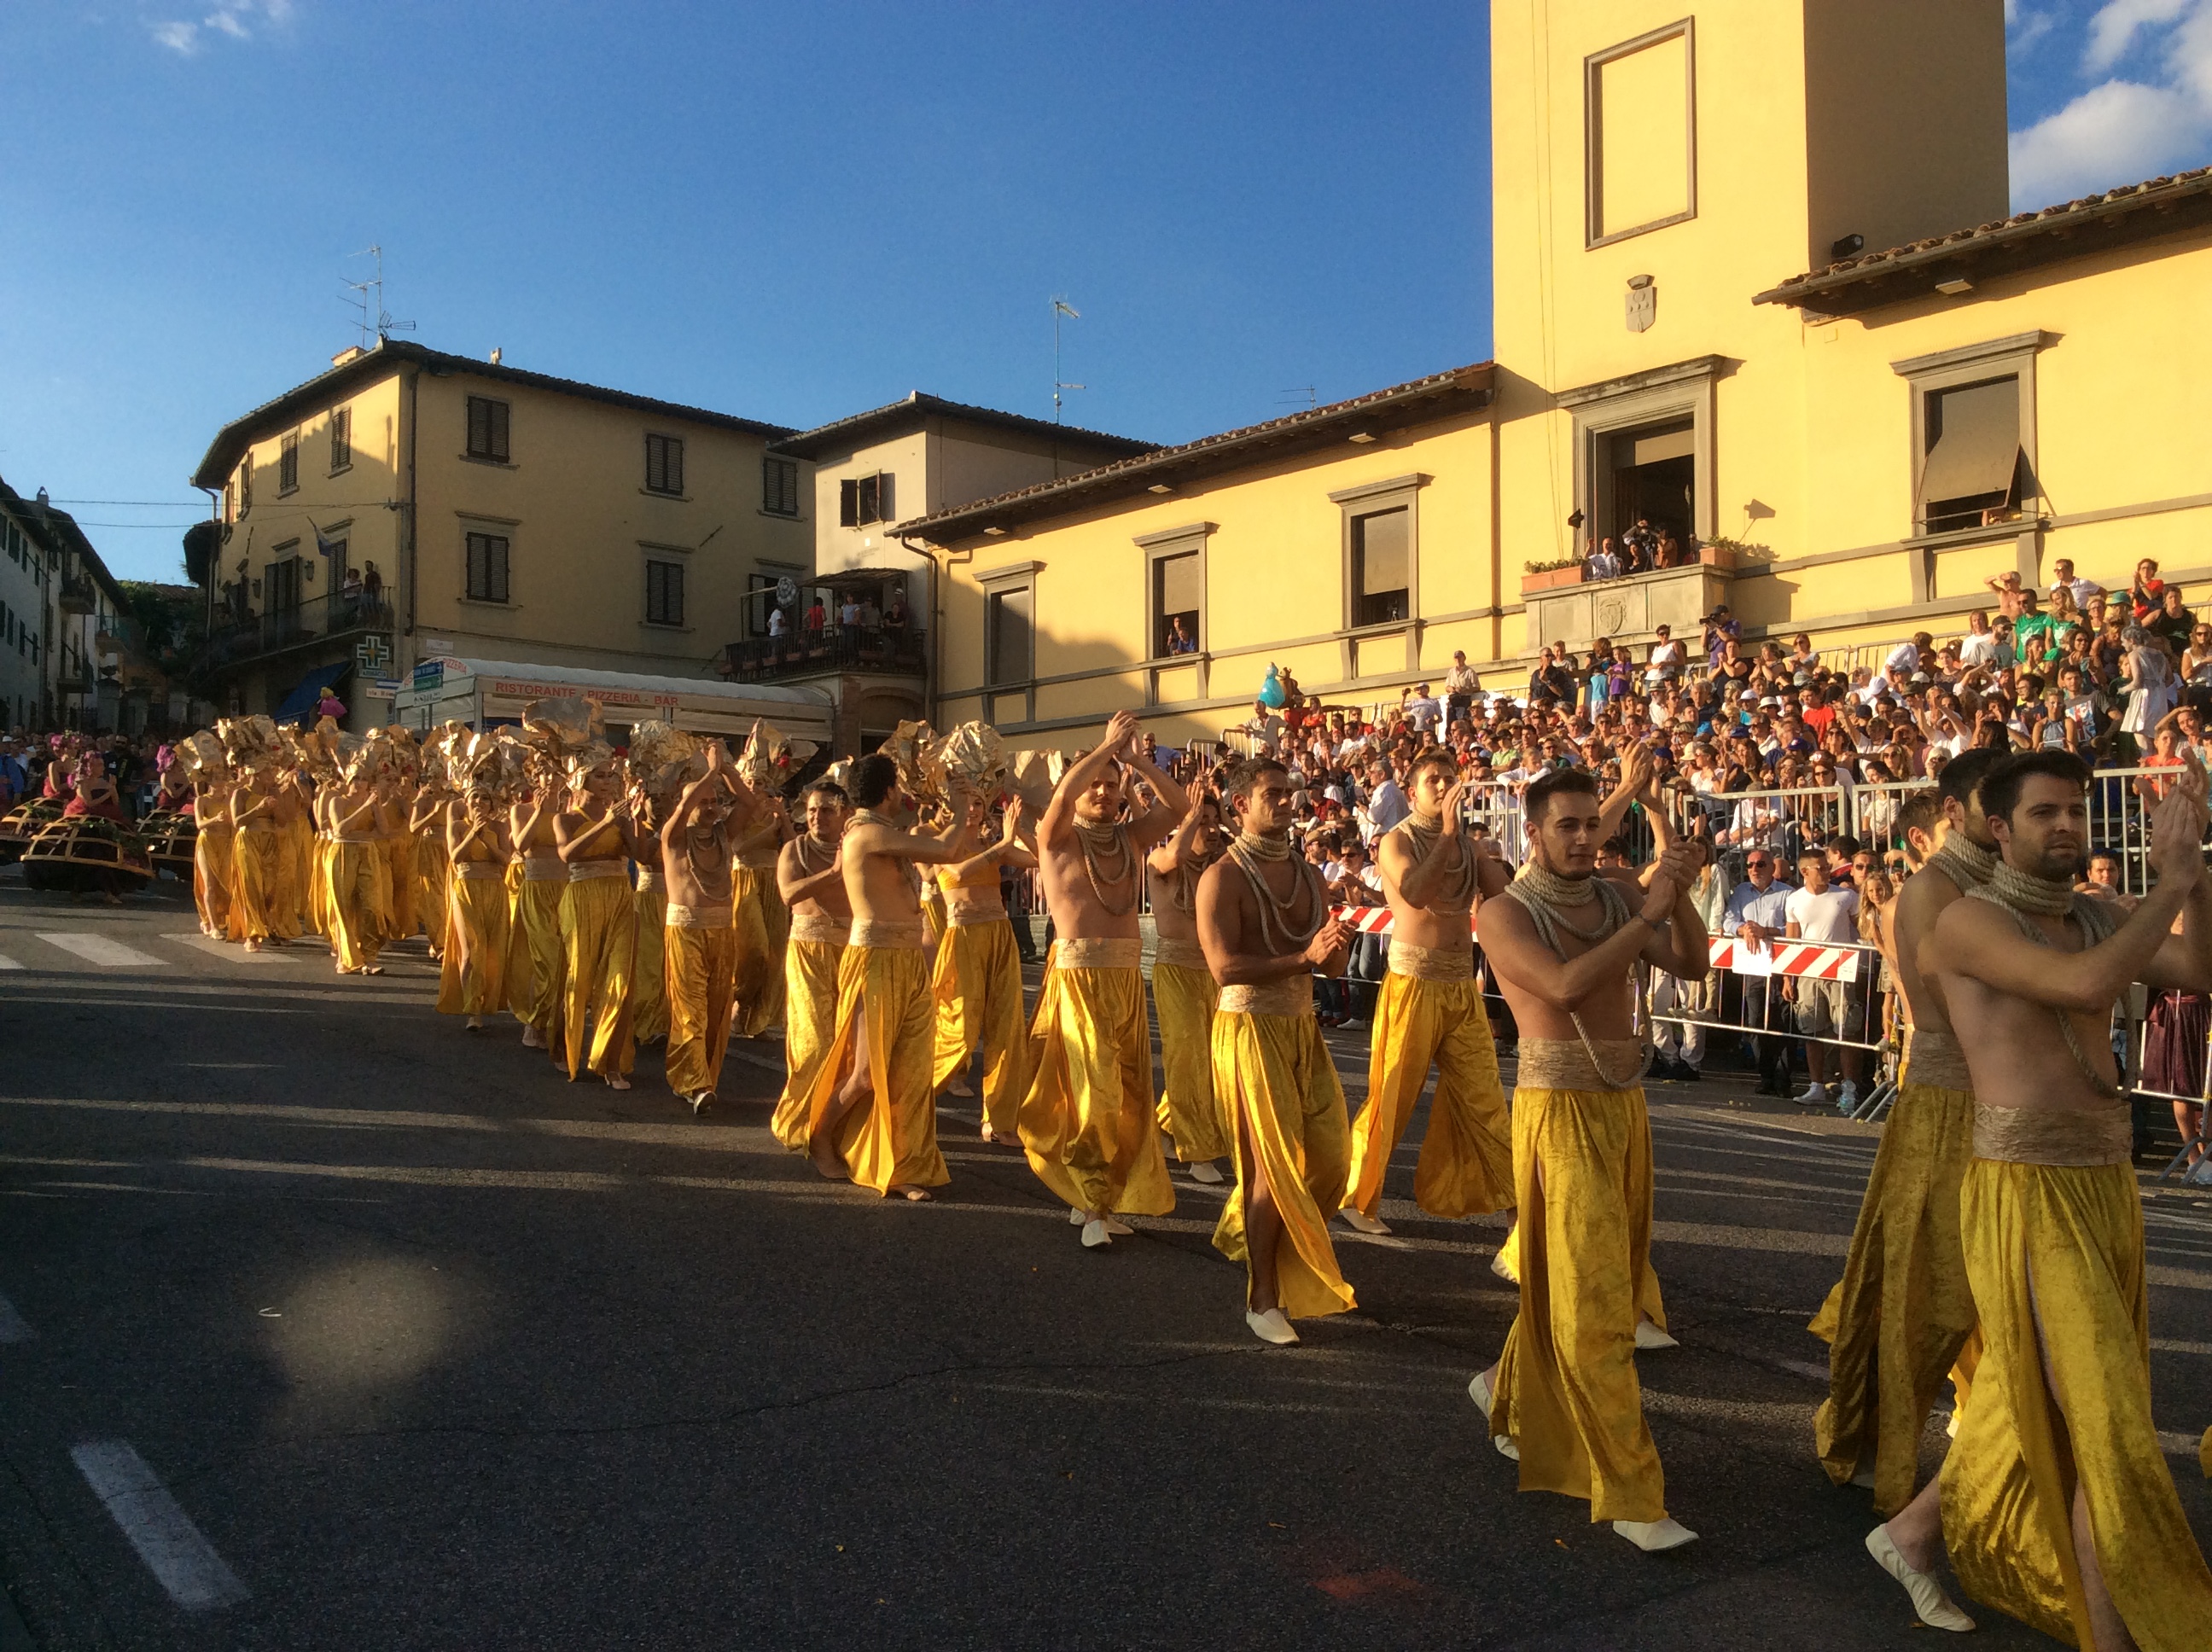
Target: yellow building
(1868,441)
(410,504)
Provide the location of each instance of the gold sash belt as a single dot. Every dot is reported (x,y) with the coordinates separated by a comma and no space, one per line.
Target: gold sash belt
(681,917)
(535,871)
(472,871)
(890,932)
(2054,1135)
(822,928)
(753,863)
(1183,955)
(582,872)
(649,878)
(968,914)
(1934,1058)
(1292,995)
(1563,1064)
(1431,963)
(1098,953)
(356,841)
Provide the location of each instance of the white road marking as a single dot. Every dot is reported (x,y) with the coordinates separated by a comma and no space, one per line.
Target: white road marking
(99,949)
(10,963)
(184,1561)
(225,949)
(13,1328)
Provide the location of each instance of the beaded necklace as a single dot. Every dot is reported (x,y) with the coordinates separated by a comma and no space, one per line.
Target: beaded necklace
(2017,895)
(1105,844)
(1424,836)
(1277,932)
(1543,892)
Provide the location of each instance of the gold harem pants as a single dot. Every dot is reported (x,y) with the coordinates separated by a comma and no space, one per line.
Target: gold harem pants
(1902,1316)
(1086,1124)
(257,885)
(649,992)
(212,873)
(1286,1117)
(598,947)
(431,874)
(1466,1165)
(2055,1253)
(1566,1383)
(472,976)
(764,927)
(360,897)
(810,1034)
(699,965)
(890,1140)
(977,988)
(537,980)
(299,846)
(399,864)
(1184,998)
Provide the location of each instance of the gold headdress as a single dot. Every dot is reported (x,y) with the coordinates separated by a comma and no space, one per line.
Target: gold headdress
(1034,776)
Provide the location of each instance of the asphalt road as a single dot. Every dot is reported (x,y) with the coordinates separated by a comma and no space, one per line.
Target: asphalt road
(379,1335)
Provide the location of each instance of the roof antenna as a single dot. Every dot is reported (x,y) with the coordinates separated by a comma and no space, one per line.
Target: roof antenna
(370,302)
(1060,307)
(1296,393)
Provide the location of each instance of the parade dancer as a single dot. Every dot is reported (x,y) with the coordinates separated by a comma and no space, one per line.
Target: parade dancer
(810,878)
(213,866)
(764,923)
(426,827)
(700,966)
(360,891)
(1184,994)
(597,839)
(1429,1012)
(258,892)
(1563,1396)
(1902,1316)
(872,1116)
(2055,1503)
(471,974)
(977,984)
(1264,919)
(1087,1124)
(648,990)
(536,968)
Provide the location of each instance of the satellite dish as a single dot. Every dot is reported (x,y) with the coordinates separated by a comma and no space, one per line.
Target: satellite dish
(786,591)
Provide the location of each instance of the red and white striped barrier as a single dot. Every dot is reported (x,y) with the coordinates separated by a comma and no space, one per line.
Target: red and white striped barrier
(1805,958)
(1787,958)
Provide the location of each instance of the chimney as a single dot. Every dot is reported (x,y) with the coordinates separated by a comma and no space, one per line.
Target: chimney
(495,354)
(350,353)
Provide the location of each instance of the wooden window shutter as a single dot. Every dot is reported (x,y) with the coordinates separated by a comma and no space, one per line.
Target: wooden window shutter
(848,502)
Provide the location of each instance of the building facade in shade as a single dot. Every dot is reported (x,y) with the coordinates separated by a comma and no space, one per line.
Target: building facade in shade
(27,608)
(1757,283)
(71,654)
(409,503)
(874,649)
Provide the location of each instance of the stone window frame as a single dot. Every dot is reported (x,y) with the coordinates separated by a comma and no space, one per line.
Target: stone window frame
(1370,499)
(1594,235)
(999,582)
(1601,411)
(1971,364)
(1157,548)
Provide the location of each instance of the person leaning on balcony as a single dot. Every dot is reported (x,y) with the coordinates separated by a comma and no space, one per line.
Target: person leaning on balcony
(1603,563)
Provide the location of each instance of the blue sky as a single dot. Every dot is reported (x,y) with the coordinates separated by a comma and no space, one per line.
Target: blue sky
(798,212)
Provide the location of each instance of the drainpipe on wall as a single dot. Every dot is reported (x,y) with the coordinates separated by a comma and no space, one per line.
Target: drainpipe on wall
(403,666)
(930,680)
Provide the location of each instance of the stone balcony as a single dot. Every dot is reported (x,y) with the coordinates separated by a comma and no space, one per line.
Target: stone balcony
(1629,609)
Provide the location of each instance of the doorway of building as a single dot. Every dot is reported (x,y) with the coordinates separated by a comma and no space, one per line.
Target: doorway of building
(1654,479)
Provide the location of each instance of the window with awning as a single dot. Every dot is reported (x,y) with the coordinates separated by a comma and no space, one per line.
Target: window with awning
(1972,463)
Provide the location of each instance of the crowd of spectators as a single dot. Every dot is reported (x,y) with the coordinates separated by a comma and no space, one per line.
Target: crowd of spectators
(53,767)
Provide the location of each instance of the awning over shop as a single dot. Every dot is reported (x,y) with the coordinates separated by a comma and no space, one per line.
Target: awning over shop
(299,705)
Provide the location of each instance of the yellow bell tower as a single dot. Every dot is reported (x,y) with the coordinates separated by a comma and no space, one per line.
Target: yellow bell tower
(1658,162)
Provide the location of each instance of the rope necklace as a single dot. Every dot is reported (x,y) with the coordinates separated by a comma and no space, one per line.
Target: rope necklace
(1107,843)
(1278,931)
(1966,862)
(2017,894)
(1424,836)
(1182,891)
(1542,892)
(804,841)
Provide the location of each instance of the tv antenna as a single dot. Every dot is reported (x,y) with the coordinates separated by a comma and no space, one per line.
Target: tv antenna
(1296,393)
(1060,307)
(369,299)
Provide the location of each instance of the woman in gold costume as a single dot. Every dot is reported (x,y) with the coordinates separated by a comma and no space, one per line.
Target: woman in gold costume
(470,977)
(762,922)
(978,979)
(535,971)
(596,839)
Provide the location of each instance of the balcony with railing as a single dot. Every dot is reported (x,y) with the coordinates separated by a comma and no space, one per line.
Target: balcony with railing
(76,595)
(895,650)
(237,636)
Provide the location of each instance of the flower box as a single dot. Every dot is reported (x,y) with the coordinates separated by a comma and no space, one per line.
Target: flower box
(1552,578)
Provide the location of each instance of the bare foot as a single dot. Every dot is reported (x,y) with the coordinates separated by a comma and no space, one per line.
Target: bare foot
(823,1155)
(913,1195)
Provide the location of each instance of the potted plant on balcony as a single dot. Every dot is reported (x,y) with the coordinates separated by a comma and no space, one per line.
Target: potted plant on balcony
(1547,576)
(1724,553)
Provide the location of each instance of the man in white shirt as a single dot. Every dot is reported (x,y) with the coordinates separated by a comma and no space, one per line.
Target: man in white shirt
(1602,564)
(777,624)
(1828,915)
(848,612)
(1265,728)
(1461,684)
(1757,913)
(2063,578)
(1907,657)
(1423,714)
(1385,801)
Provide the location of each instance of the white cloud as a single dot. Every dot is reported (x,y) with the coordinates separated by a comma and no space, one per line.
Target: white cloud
(2116,25)
(2024,29)
(2123,130)
(242,20)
